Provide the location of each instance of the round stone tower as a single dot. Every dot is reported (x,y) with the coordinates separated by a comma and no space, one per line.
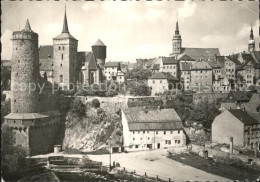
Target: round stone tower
(100,52)
(25,71)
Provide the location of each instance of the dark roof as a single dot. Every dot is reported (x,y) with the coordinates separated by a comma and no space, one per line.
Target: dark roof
(220,60)
(254,103)
(201,65)
(164,119)
(65,24)
(234,96)
(156,67)
(162,75)
(99,43)
(169,60)
(87,60)
(257,55)
(249,59)
(234,59)
(214,64)
(243,116)
(112,64)
(201,53)
(185,66)
(65,36)
(46,57)
(185,57)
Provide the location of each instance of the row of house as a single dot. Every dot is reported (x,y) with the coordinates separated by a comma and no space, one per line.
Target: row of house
(239,120)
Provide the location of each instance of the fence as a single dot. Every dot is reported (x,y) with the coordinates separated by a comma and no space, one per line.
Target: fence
(143,174)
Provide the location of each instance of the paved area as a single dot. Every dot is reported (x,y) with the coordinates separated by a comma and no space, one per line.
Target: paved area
(156,163)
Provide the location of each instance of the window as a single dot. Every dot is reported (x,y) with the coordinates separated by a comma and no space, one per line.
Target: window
(133,132)
(138,132)
(164,132)
(59,48)
(61,56)
(153,81)
(160,81)
(148,138)
(63,48)
(171,132)
(136,146)
(143,131)
(61,78)
(178,131)
(141,138)
(133,138)
(156,132)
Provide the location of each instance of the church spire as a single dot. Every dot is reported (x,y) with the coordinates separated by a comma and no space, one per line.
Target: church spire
(251,33)
(177,26)
(65,23)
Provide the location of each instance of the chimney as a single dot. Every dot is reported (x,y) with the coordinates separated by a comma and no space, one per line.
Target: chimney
(231,145)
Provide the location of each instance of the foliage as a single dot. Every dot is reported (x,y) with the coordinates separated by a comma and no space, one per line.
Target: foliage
(67,92)
(3,97)
(5,109)
(5,78)
(204,112)
(78,108)
(138,89)
(182,105)
(138,73)
(95,103)
(13,157)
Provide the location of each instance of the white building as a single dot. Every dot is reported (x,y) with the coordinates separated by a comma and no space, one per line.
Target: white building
(110,70)
(120,77)
(151,129)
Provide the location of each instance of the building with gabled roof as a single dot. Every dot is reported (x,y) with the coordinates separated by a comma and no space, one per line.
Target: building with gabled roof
(185,74)
(238,124)
(169,65)
(235,100)
(145,129)
(161,82)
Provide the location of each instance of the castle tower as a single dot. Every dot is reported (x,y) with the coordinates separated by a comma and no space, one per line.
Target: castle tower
(65,48)
(99,50)
(176,41)
(25,71)
(251,43)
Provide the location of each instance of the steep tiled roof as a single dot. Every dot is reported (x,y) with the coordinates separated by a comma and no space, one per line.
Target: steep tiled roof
(156,67)
(87,60)
(112,64)
(65,36)
(201,53)
(253,104)
(164,119)
(185,57)
(243,116)
(201,65)
(220,60)
(185,66)
(46,57)
(257,55)
(214,64)
(99,43)
(169,60)
(234,96)
(162,75)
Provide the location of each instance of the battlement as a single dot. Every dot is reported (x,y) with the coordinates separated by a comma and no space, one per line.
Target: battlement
(25,35)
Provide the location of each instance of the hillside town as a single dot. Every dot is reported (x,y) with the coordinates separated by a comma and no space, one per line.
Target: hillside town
(70,115)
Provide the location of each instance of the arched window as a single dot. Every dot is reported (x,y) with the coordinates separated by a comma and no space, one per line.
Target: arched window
(61,56)
(61,78)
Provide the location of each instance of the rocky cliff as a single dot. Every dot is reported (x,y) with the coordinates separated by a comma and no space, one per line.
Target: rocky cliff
(92,131)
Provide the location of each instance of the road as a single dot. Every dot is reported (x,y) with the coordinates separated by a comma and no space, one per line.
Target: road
(156,163)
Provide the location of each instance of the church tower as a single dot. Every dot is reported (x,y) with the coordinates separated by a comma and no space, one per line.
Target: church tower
(251,43)
(65,48)
(176,41)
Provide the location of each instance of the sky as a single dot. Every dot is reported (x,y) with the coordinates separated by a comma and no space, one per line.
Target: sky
(136,29)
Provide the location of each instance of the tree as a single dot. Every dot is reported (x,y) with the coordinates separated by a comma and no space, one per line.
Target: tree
(95,103)
(182,105)
(138,73)
(5,78)
(138,89)
(5,109)
(78,108)
(204,113)
(13,157)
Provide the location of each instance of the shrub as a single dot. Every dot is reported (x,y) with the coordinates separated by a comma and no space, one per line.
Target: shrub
(78,108)
(95,103)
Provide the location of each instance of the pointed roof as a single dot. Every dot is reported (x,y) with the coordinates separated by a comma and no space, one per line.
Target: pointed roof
(99,43)
(177,28)
(65,24)
(27,27)
(251,33)
(185,57)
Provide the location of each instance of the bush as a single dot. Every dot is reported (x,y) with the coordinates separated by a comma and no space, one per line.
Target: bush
(78,108)
(95,103)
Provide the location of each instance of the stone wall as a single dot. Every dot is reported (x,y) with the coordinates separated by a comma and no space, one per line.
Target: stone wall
(197,97)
